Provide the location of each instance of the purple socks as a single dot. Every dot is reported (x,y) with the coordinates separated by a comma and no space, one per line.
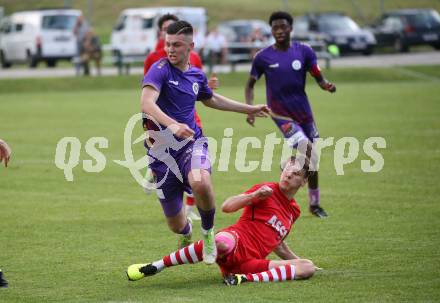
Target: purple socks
(207,217)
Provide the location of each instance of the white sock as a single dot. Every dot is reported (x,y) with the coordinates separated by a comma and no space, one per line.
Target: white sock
(159,265)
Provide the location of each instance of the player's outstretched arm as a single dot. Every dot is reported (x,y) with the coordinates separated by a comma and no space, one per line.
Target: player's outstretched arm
(249,96)
(223,103)
(284,252)
(316,73)
(148,105)
(234,203)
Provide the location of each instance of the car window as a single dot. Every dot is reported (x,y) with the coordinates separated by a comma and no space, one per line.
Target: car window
(392,24)
(120,24)
(334,23)
(243,31)
(435,16)
(301,25)
(147,23)
(19,27)
(59,22)
(424,19)
(6,28)
(195,19)
(228,32)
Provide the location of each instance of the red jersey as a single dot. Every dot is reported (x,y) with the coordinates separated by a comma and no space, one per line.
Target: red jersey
(263,226)
(194,59)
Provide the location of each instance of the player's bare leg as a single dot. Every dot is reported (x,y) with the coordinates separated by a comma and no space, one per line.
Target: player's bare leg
(181,225)
(305,147)
(279,270)
(201,185)
(314,192)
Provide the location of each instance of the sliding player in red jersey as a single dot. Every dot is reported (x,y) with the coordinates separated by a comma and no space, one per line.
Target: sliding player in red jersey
(270,211)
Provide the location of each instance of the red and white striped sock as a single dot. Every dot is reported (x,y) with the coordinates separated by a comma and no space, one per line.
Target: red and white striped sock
(190,254)
(282,273)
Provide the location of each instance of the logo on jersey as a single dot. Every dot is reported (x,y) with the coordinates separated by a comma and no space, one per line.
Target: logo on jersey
(174,82)
(275,65)
(278,226)
(288,129)
(296,65)
(195,88)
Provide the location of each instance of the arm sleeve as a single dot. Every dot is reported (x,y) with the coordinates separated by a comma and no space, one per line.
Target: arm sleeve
(155,76)
(205,92)
(253,189)
(257,67)
(310,57)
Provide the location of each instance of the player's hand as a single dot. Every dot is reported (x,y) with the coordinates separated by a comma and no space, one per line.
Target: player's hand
(181,130)
(328,86)
(5,152)
(213,82)
(263,192)
(250,119)
(259,110)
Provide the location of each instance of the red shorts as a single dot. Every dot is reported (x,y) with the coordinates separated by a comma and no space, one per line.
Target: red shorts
(242,260)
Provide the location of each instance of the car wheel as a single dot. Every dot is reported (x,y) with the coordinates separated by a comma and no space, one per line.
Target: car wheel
(3,62)
(368,51)
(400,46)
(32,60)
(51,63)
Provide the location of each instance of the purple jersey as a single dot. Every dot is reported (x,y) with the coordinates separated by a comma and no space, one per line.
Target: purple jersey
(178,91)
(285,73)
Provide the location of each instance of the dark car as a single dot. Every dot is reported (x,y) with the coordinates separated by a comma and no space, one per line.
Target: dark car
(402,29)
(335,28)
(244,37)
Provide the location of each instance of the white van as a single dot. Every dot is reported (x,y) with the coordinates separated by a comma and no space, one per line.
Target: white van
(136,33)
(41,35)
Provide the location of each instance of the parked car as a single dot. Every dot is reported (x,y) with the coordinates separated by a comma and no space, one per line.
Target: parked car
(41,35)
(244,37)
(337,29)
(402,29)
(136,34)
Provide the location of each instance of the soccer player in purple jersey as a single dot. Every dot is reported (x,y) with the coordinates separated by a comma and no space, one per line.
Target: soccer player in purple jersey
(180,161)
(285,65)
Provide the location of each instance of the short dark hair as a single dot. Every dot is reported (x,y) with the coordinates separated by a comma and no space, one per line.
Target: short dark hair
(180,27)
(281,15)
(165,18)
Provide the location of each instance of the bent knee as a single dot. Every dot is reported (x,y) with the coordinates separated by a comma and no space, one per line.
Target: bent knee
(225,243)
(304,269)
(176,227)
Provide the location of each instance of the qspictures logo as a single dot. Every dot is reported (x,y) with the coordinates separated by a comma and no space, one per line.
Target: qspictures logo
(345,151)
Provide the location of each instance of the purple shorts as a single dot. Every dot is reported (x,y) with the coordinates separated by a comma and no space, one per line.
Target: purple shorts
(172,176)
(295,132)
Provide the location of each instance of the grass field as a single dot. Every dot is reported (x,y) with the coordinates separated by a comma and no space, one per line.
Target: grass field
(71,241)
